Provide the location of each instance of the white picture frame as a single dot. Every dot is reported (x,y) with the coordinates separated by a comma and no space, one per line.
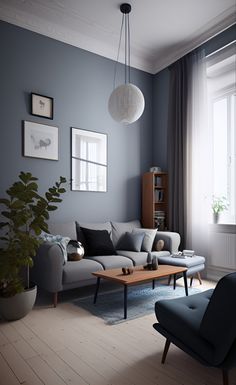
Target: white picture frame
(40,141)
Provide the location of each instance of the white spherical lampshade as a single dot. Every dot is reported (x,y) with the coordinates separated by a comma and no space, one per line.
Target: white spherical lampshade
(126,103)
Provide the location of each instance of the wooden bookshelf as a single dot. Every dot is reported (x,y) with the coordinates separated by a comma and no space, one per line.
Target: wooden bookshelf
(155,200)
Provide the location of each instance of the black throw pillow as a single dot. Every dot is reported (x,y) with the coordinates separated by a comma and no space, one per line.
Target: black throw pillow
(98,242)
(130,241)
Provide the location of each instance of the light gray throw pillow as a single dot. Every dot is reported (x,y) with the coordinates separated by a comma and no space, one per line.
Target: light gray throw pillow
(149,236)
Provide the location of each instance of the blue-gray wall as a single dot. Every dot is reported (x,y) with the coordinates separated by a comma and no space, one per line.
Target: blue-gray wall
(161,97)
(80,83)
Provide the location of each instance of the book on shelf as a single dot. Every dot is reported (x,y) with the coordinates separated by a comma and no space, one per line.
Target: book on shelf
(159,196)
(158,181)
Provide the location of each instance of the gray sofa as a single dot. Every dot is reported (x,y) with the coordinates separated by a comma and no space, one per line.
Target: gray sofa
(52,273)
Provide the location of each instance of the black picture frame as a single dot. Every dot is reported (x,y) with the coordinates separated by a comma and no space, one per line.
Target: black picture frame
(42,106)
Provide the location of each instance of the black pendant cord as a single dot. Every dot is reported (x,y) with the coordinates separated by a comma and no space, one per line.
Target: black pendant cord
(118,53)
(125,9)
(128,50)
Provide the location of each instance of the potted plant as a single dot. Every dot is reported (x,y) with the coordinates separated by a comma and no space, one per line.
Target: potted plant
(219,204)
(24,217)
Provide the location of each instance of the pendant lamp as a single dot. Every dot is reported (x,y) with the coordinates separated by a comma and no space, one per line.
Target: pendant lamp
(126,102)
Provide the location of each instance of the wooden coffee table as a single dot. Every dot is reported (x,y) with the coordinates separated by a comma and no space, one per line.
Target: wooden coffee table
(140,275)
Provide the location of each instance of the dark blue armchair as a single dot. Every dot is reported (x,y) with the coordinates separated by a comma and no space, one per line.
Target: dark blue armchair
(202,325)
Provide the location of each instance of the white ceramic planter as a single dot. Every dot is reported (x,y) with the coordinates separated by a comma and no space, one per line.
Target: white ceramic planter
(16,307)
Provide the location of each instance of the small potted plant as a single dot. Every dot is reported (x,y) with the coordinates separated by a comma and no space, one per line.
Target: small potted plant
(219,204)
(24,217)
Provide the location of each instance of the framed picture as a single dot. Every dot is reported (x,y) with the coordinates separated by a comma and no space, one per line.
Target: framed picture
(40,141)
(42,106)
(89,160)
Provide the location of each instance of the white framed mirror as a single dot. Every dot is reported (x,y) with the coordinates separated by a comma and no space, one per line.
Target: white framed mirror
(89,160)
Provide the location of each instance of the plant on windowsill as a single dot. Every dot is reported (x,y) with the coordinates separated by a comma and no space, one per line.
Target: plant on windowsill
(219,204)
(25,214)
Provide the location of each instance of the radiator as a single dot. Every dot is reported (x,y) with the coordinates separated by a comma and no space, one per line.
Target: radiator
(222,255)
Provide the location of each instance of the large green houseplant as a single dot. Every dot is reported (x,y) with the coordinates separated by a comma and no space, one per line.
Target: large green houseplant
(24,217)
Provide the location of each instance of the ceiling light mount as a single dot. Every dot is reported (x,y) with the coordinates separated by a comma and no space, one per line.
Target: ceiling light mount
(126,102)
(125,8)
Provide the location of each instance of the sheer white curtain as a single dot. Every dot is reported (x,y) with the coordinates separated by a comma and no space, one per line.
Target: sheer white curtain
(198,161)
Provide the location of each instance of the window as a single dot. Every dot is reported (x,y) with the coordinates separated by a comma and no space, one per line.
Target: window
(221,91)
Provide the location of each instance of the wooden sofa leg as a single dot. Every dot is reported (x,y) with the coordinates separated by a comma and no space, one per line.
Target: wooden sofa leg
(55,298)
(166,348)
(225,377)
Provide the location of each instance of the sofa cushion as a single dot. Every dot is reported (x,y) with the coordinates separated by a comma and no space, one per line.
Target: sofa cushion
(66,229)
(98,242)
(112,261)
(138,259)
(119,228)
(96,226)
(130,241)
(79,271)
(148,239)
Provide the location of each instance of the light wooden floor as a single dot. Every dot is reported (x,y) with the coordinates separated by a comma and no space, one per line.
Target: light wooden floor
(67,345)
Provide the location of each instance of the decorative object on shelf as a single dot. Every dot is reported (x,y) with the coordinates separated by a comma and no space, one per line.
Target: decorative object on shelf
(155,169)
(41,106)
(89,160)
(40,141)
(25,213)
(126,102)
(219,204)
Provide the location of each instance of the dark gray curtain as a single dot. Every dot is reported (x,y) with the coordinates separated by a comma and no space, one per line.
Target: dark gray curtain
(176,143)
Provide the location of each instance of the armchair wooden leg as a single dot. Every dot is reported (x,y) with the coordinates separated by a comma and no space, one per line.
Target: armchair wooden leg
(166,348)
(191,281)
(225,377)
(55,298)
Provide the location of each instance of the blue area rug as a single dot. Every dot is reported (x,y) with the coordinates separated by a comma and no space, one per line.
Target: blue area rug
(141,301)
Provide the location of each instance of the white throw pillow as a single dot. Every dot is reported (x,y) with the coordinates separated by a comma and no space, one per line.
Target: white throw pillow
(149,236)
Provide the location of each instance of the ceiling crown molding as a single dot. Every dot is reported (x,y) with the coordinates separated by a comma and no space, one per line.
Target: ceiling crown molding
(216,26)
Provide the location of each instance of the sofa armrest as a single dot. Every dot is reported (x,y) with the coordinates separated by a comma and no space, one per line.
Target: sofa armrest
(171,239)
(48,267)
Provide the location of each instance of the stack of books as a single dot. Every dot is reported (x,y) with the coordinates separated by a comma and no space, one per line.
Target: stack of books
(188,253)
(160,218)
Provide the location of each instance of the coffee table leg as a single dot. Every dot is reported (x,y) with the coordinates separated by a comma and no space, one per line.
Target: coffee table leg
(185,283)
(97,288)
(174,281)
(125,301)
(153,284)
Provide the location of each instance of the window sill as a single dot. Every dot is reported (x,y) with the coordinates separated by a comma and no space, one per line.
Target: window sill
(223,228)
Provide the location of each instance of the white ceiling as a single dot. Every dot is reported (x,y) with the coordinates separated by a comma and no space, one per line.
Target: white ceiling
(161,30)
